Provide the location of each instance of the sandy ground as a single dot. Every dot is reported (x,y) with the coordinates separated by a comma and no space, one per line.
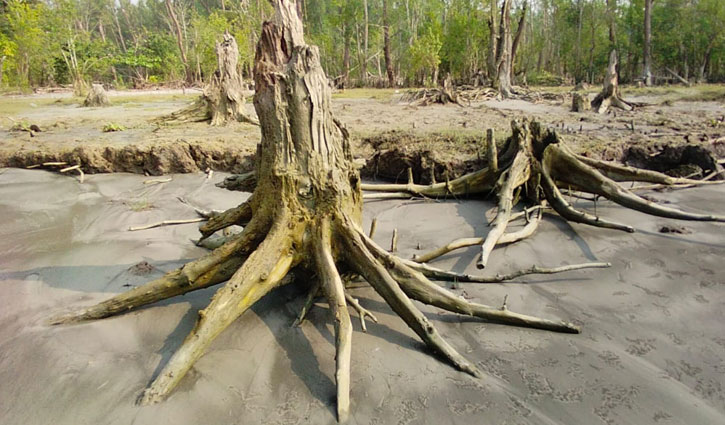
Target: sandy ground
(652,349)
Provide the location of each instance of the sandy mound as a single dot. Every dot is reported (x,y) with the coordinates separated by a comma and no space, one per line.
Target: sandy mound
(652,348)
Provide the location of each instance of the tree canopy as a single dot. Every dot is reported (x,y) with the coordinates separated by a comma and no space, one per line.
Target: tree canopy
(136,43)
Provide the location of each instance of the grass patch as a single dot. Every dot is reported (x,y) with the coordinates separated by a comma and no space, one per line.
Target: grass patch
(383,95)
(112,126)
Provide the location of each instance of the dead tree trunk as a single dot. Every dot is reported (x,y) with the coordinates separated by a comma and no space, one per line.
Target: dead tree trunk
(386,46)
(305,214)
(647,74)
(223,98)
(97,96)
(610,96)
(502,79)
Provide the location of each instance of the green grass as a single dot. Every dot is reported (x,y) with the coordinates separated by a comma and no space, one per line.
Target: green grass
(382,95)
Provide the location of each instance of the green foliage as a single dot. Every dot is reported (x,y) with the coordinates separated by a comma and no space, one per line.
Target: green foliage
(125,42)
(112,126)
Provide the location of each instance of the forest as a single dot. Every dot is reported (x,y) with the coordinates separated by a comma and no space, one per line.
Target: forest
(373,43)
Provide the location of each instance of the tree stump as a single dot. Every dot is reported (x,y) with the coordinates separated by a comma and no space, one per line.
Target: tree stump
(610,95)
(97,97)
(222,100)
(304,216)
(580,102)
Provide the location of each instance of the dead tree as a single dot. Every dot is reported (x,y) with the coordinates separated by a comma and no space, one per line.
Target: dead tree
(610,95)
(97,96)
(647,54)
(503,54)
(305,215)
(223,98)
(536,165)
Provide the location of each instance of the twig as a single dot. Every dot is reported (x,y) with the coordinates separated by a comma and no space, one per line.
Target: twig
(394,241)
(74,167)
(167,223)
(157,181)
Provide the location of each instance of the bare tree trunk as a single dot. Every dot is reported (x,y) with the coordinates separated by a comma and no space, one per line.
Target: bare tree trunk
(647,74)
(366,29)
(517,38)
(612,21)
(503,68)
(179,38)
(493,42)
(386,46)
(346,59)
(578,59)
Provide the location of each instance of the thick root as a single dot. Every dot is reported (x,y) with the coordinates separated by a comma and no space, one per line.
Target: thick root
(384,284)
(239,215)
(481,181)
(262,272)
(515,176)
(418,287)
(564,209)
(211,269)
(335,293)
(562,165)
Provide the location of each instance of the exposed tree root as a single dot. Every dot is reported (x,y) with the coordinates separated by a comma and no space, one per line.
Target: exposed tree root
(305,217)
(536,161)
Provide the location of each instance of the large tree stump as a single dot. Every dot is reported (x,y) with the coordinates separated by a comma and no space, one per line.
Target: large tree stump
(610,95)
(223,98)
(97,96)
(304,215)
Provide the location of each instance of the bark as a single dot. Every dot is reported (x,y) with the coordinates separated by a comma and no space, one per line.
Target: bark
(503,66)
(2,62)
(518,37)
(97,96)
(647,54)
(386,46)
(223,98)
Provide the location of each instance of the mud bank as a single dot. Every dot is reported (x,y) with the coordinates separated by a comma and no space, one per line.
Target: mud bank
(167,158)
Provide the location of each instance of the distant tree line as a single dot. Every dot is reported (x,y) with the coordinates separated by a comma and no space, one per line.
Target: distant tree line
(128,43)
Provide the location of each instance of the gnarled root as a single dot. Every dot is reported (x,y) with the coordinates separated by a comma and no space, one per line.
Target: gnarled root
(263,271)
(537,160)
(418,287)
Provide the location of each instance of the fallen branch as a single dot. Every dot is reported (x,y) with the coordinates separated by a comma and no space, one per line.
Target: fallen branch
(167,223)
(439,274)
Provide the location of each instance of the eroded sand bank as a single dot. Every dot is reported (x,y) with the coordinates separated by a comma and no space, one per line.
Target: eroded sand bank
(652,348)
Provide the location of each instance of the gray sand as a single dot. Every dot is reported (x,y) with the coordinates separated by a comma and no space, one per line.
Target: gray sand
(652,348)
